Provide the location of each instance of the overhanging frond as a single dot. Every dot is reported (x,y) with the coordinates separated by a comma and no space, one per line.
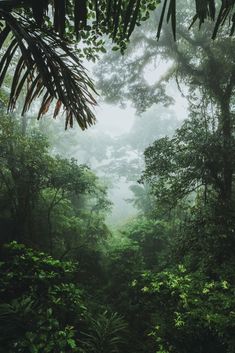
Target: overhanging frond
(47,68)
(205,10)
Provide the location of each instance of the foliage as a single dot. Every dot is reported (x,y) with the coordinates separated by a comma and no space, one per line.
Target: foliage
(205,238)
(192,59)
(105,334)
(41,308)
(164,282)
(45,59)
(46,63)
(189,161)
(192,311)
(127,12)
(152,238)
(52,68)
(123,264)
(47,201)
(189,300)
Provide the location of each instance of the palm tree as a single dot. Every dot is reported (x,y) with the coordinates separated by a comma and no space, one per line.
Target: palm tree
(47,65)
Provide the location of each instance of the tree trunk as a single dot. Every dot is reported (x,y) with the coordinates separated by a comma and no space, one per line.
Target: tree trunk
(226,129)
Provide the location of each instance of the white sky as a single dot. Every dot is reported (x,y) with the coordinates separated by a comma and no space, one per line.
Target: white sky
(113,119)
(116,121)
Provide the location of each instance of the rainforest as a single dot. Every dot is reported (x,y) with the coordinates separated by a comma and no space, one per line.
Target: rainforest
(117,176)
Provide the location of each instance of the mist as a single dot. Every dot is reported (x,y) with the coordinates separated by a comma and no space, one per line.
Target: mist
(106,148)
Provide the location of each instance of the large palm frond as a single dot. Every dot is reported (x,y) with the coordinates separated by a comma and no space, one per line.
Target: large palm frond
(46,67)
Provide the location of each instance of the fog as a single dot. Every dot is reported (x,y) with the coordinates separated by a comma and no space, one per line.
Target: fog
(99,146)
(121,130)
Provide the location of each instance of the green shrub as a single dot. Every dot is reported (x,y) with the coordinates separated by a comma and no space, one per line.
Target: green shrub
(41,309)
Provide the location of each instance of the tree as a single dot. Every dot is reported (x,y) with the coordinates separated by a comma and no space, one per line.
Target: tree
(186,173)
(47,202)
(189,161)
(24,165)
(194,59)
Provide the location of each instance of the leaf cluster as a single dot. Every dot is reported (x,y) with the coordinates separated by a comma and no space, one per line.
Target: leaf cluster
(40,304)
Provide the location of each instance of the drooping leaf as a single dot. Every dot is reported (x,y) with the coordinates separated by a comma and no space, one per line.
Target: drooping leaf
(161,19)
(48,66)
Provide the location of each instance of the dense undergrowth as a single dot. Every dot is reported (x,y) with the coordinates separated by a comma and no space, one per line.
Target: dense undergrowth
(163,283)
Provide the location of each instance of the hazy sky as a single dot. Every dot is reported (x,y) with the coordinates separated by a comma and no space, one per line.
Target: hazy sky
(115,121)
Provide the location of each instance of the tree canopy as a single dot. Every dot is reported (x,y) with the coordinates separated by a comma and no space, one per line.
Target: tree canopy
(40,35)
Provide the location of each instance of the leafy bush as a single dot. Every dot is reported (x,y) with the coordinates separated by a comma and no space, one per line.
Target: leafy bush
(192,312)
(41,308)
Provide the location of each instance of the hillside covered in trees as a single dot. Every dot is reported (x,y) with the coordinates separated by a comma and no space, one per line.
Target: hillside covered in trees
(158,276)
